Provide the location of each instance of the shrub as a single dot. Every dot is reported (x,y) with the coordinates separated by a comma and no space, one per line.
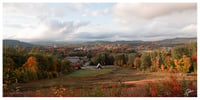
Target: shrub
(172,88)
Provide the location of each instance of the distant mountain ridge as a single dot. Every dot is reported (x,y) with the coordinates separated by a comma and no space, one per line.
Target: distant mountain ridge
(179,39)
(13,43)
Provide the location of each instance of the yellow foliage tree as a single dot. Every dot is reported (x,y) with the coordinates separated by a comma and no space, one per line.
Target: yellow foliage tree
(183,64)
(187,63)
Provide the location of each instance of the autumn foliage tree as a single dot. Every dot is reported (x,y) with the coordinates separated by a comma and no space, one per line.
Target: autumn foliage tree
(120,59)
(8,68)
(131,59)
(145,61)
(168,63)
(103,58)
(66,66)
(31,68)
(26,64)
(8,63)
(183,64)
(137,62)
(187,63)
(194,62)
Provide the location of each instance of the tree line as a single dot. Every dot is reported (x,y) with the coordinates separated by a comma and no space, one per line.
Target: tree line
(181,58)
(22,65)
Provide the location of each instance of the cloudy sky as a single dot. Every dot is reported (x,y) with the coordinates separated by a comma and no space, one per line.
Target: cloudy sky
(98,21)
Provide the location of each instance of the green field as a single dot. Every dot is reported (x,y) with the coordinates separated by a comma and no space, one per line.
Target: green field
(90,72)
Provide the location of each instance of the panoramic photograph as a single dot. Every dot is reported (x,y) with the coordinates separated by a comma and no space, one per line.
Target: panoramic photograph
(99,50)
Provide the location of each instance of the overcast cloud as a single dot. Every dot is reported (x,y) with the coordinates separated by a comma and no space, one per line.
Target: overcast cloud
(132,21)
(150,10)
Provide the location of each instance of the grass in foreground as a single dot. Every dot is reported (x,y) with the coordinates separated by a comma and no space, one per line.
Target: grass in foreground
(171,88)
(90,85)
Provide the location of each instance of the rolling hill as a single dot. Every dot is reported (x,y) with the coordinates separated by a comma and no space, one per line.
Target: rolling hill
(13,43)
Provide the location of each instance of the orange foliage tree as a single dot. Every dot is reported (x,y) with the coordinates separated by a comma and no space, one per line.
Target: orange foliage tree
(168,63)
(31,68)
(155,63)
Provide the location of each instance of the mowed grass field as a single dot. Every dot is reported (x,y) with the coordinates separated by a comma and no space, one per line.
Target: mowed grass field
(90,72)
(107,77)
